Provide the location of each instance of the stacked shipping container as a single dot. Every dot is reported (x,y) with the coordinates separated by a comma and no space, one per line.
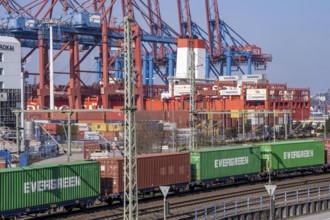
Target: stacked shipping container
(89,147)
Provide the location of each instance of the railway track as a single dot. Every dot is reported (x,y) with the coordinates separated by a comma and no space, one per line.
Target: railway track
(182,205)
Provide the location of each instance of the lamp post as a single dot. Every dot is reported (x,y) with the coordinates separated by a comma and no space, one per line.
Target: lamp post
(51,68)
(51,22)
(264,126)
(274,127)
(173,132)
(224,120)
(286,124)
(325,126)
(243,129)
(22,105)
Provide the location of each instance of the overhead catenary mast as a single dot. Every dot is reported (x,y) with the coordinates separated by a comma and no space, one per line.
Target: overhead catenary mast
(192,108)
(130,161)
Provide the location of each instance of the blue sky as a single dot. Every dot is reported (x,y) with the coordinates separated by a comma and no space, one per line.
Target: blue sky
(295,32)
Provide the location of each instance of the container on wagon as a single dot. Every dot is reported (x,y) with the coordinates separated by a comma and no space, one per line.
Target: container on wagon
(292,154)
(154,170)
(224,162)
(31,187)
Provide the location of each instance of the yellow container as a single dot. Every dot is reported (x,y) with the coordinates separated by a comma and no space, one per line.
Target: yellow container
(115,127)
(99,127)
(235,114)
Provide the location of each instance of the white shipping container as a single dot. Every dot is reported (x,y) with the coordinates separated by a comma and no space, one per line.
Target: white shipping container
(95,18)
(91,135)
(230,92)
(83,126)
(228,78)
(41,121)
(257,121)
(99,154)
(280,120)
(181,90)
(256,94)
(254,76)
(165,95)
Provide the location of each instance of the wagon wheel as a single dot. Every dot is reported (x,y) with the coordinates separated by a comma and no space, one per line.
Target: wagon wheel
(83,206)
(109,201)
(191,187)
(68,208)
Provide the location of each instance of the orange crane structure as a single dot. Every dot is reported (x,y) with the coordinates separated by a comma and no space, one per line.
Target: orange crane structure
(87,27)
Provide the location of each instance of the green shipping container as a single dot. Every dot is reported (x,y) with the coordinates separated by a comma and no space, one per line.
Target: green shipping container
(74,129)
(216,163)
(292,154)
(28,187)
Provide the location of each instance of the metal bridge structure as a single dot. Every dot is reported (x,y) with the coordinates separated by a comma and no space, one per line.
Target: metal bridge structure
(83,27)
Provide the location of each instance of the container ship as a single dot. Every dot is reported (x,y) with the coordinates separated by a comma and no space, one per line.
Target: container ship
(252,93)
(162,65)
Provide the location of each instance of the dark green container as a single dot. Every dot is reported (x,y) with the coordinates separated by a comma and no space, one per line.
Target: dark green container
(292,154)
(34,186)
(74,129)
(223,162)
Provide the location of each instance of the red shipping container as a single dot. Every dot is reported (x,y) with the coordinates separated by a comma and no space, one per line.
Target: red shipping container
(327,150)
(109,135)
(36,116)
(89,147)
(3,164)
(97,116)
(89,121)
(81,134)
(154,170)
(50,128)
(150,115)
(62,116)
(181,118)
(114,116)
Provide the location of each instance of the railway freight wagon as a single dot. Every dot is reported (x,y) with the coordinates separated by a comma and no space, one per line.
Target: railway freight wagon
(40,188)
(154,170)
(292,155)
(223,163)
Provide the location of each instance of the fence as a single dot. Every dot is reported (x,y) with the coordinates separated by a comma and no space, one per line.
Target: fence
(254,204)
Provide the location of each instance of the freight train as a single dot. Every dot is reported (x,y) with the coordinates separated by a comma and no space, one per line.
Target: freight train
(47,188)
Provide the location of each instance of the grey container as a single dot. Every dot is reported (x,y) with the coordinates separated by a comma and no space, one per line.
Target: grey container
(29,130)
